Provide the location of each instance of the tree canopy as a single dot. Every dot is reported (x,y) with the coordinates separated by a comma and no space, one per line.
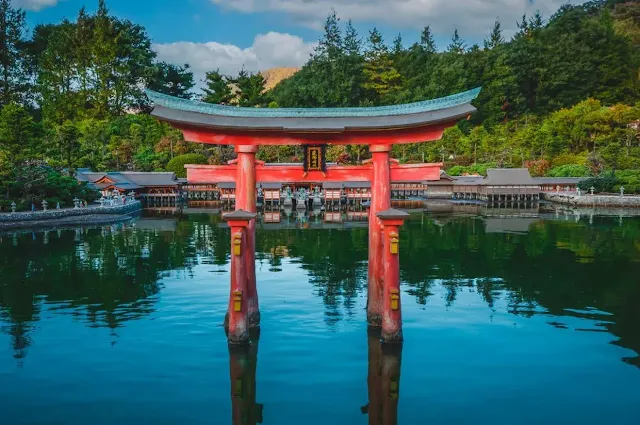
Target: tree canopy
(564,91)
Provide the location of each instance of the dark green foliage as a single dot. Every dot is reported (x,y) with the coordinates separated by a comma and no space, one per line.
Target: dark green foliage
(218,88)
(581,52)
(177,164)
(605,183)
(172,80)
(29,184)
(13,59)
(470,170)
(563,92)
(570,170)
(629,179)
(250,89)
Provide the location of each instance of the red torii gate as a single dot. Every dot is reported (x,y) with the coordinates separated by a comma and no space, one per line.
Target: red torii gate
(377,127)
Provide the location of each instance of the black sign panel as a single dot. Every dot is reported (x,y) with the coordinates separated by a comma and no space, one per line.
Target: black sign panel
(314,158)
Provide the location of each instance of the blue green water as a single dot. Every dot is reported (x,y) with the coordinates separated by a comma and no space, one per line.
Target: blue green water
(506,321)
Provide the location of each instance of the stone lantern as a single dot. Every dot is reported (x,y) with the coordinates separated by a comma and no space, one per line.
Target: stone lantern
(593,189)
(13,207)
(45,204)
(76,203)
(621,190)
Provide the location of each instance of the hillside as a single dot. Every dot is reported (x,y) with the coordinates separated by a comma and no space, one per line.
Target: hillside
(274,76)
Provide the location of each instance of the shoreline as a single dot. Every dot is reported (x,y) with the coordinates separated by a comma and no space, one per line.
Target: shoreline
(70,217)
(591,201)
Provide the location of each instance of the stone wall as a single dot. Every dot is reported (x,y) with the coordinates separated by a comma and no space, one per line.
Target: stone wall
(606,201)
(54,214)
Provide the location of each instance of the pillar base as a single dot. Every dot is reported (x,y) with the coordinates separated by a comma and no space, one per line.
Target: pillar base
(374,320)
(254,320)
(392,338)
(238,339)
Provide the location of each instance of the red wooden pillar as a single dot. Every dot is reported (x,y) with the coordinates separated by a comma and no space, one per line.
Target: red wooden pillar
(380,201)
(238,323)
(391,220)
(246,200)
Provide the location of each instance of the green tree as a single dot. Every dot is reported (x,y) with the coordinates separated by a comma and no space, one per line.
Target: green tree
(457,44)
(427,42)
(381,76)
(495,39)
(18,133)
(13,59)
(67,144)
(250,89)
(217,88)
(171,79)
(177,164)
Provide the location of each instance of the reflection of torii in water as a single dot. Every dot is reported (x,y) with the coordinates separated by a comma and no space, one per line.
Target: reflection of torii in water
(243,362)
(383,381)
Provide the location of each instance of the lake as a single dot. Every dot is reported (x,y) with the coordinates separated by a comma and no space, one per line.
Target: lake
(524,320)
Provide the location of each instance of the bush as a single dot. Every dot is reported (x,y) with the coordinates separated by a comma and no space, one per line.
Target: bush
(605,183)
(569,170)
(569,159)
(630,179)
(33,184)
(177,164)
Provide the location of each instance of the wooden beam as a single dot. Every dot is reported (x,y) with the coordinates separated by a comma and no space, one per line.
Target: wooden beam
(275,138)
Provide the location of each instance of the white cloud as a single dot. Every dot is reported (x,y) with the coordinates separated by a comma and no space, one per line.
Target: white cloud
(34,5)
(471,17)
(268,51)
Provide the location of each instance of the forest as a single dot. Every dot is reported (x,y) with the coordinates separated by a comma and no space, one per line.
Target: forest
(561,96)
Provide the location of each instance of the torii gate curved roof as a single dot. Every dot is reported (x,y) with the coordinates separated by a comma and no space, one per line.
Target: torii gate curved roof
(220,124)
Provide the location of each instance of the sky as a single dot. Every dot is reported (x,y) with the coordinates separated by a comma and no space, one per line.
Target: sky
(263,34)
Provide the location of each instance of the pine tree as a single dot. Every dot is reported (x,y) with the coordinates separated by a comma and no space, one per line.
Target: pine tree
(397,45)
(457,44)
(351,67)
(330,45)
(381,76)
(172,80)
(13,63)
(426,40)
(495,38)
(218,88)
(250,89)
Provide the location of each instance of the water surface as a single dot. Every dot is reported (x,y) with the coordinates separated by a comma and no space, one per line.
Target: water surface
(506,321)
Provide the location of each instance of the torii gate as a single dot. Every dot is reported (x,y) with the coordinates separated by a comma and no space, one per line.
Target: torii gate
(313,128)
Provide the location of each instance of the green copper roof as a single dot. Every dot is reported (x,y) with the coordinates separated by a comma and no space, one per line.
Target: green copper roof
(178,104)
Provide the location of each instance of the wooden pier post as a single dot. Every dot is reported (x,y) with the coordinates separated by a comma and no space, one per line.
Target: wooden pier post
(391,220)
(380,201)
(237,313)
(246,200)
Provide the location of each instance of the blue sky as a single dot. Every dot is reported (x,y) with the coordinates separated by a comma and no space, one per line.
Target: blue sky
(262,34)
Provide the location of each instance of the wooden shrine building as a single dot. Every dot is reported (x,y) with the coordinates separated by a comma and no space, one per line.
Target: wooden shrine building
(314,129)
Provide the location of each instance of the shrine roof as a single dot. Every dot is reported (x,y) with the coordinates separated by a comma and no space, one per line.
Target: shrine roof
(200,114)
